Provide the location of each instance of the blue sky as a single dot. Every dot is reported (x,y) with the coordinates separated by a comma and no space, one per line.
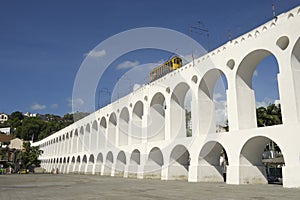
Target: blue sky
(43,43)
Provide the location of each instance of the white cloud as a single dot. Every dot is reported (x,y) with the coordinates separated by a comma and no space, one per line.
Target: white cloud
(255,73)
(220,112)
(128,64)
(217,96)
(266,102)
(38,106)
(54,106)
(96,54)
(75,103)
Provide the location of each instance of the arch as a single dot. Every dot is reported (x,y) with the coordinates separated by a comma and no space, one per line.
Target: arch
(108,164)
(81,139)
(246,103)
(212,162)
(179,163)
(93,139)
(156,129)
(154,164)
(181,111)
(83,164)
(75,142)
(87,136)
(100,158)
(90,164)
(212,108)
(91,159)
(112,129)
(77,164)
(136,125)
(81,131)
(120,164)
(123,126)
(254,155)
(103,123)
(99,163)
(121,157)
(95,125)
(135,157)
(102,133)
(134,162)
(84,159)
(73,159)
(295,62)
(78,159)
(110,157)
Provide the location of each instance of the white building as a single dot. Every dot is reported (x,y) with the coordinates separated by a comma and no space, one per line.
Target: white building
(6,130)
(16,144)
(3,117)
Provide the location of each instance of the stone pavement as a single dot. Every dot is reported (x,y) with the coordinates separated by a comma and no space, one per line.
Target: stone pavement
(65,187)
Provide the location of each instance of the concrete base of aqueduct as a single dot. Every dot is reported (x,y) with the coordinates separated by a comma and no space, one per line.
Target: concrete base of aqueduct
(115,140)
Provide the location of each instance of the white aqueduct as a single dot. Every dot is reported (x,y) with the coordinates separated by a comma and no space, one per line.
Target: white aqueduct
(143,134)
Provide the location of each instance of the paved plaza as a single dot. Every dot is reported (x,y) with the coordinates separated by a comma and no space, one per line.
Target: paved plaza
(63,187)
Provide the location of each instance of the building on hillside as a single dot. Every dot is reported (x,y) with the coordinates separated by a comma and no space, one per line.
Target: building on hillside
(3,117)
(5,139)
(6,130)
(16,144)
(28,114)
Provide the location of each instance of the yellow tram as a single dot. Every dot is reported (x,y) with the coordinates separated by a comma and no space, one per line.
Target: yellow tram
(170,65)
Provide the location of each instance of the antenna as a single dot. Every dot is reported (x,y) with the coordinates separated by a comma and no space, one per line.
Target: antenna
(201,30)
(229,34)
(273,10)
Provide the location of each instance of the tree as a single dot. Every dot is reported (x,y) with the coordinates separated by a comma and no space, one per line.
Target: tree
(269,116)
(29,156)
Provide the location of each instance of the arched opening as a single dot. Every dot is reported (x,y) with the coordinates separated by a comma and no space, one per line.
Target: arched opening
(89,169)
(156,125)
(75,142)
(108,164)
(112,130)
(99,163)
(134,163)
(77,164)
(154,164)
(83,164)
(181,120)
(102,133)
(295,61)
(256,85)
(93,139)
(87,137)
(212,163)
(179,163)
(123,127)
(136,123)
(120,164)
(81,139)
(212,101)
(261,162)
